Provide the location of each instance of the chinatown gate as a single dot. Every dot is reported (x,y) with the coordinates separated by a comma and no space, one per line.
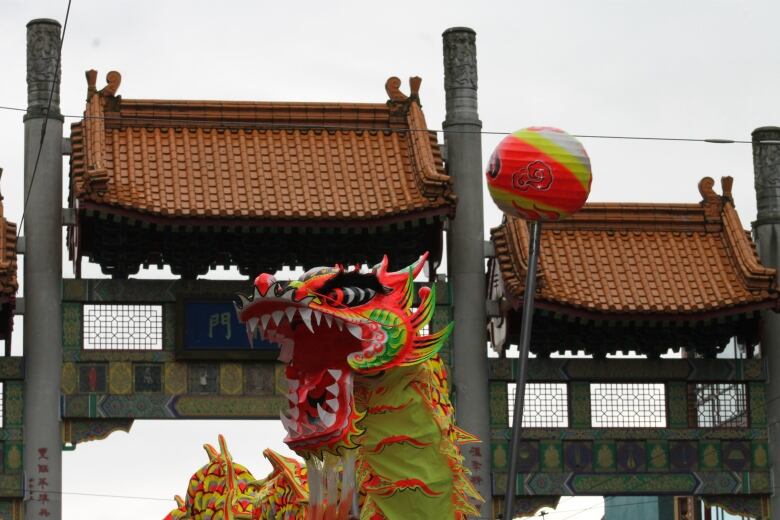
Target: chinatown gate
(260,186)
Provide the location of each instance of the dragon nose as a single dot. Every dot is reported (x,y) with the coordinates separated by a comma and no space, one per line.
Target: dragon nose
(264,282)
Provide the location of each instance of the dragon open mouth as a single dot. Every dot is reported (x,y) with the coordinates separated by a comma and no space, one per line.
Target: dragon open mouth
(316,341)
(333,325)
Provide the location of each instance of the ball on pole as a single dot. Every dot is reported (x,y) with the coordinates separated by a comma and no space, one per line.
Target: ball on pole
(539,173)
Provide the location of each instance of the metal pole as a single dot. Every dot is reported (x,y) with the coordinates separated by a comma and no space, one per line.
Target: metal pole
(766,228)
(466,255)
(522,367)
(43,274)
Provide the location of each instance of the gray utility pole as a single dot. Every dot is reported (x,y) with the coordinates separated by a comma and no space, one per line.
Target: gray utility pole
(465,253)
(766,168)
(43,274)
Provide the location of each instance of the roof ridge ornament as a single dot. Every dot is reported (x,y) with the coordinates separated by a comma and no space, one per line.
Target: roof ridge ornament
(726,183)
(113,80)
(399,102)
(712,203)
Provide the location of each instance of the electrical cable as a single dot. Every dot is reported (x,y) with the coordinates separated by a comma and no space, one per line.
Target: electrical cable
(287,126)
(45,120)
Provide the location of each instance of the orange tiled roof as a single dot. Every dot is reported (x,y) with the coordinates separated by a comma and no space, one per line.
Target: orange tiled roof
(8,267)
(649,259)
(258,160)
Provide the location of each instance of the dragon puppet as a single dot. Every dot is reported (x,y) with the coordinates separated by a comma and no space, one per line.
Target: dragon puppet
(368,406)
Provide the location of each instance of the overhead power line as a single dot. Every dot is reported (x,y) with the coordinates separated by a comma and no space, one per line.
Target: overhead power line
(227,123)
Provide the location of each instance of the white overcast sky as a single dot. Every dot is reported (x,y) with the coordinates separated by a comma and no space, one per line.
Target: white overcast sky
(701,69)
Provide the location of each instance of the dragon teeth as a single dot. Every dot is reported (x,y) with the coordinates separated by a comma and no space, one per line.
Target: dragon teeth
(290,313)
(277,316)
(292,384)
(329,320)
(256,294)
(333,403)
(327,418)
(306,318)
(317,317)
(244,300)
(339,324)
(290,424)
(250,337)
(335,373)
(264,320)
(252,324)
(333,389)
(355,330)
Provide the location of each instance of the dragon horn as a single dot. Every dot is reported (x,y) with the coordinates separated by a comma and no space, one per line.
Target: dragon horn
(211,452)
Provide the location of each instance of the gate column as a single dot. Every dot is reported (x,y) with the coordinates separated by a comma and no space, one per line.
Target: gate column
(766,167)
(465,257)
(43,274)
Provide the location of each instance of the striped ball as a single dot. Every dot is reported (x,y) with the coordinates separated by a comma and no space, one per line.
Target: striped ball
(539,173)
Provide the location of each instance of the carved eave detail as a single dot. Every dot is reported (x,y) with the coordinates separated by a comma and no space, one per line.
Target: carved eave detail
(743,250)
(407,110)
(511,241)
(94,181)
(8,266)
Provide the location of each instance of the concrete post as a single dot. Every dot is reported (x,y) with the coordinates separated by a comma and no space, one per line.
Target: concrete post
(465,258)
(43,275)
(766,167)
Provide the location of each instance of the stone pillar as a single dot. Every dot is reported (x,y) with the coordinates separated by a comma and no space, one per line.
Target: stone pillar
(766,167)
(43,274)
(465,257)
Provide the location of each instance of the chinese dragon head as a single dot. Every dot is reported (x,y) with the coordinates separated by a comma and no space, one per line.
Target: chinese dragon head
(334,325)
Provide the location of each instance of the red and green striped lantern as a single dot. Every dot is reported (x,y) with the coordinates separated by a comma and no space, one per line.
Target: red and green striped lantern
(539,173)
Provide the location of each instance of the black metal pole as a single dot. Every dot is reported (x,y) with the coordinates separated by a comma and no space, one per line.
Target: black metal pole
(522,368)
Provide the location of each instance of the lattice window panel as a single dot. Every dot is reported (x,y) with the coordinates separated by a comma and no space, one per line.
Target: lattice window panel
(123,327)
(628,405)
(545,405)
(721,405)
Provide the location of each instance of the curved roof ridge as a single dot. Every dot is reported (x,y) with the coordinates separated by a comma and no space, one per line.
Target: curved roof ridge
(755,274)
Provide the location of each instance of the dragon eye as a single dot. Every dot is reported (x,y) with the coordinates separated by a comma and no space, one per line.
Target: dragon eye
(354,296)
(336,297)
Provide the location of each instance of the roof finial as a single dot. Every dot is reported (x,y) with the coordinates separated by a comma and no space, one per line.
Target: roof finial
(114,79)
(1,195)
(726,183)
(399,102)
(91,82)
(711,201)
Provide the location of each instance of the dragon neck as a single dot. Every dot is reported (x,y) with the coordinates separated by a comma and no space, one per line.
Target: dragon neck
(407,444)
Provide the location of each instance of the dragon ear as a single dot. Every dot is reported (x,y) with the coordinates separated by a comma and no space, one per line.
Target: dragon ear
(179,500)
(399,278)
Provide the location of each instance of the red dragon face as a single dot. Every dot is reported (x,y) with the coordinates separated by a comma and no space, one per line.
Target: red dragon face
(332,324)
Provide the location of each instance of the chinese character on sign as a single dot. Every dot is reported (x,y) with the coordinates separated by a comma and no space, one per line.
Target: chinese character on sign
(220,319)
(43,453)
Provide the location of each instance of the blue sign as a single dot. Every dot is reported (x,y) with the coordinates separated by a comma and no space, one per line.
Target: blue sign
(215,326)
